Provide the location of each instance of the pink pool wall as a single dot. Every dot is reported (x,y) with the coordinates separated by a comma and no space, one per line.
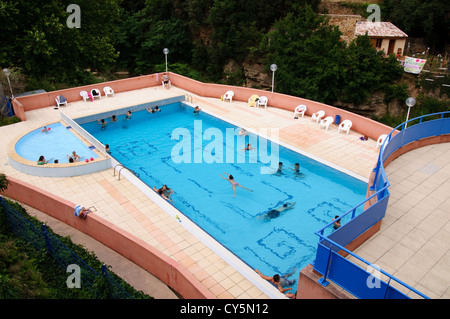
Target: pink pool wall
(363,125)
(138,251)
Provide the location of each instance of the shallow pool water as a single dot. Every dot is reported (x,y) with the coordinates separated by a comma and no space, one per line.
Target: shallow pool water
(56,143)
(151,144)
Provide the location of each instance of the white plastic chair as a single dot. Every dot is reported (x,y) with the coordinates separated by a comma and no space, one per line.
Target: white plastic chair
(60,101)
(169,84)
(228,96)
(108,91)
(262,102)
(98,94)
(326,122)
(300,110)
(85,96)
(318,116)
(381,140)
(345,126)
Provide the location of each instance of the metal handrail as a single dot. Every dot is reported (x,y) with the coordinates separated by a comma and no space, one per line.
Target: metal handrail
(123,167)
(379,169)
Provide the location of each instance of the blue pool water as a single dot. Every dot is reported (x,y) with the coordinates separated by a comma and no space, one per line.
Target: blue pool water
(281,245)
(57,143)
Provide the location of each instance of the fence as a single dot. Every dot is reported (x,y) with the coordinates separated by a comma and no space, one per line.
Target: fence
(41,238)
(329,260)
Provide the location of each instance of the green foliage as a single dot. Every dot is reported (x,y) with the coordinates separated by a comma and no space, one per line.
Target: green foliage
(422,19)
(3,182)
(315,64)
(36,38)
(42,274)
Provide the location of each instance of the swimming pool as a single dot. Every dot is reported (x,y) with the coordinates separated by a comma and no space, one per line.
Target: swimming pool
(54,144)
(286,244)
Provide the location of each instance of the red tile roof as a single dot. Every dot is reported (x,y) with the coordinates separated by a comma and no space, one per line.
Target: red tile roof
(379,29)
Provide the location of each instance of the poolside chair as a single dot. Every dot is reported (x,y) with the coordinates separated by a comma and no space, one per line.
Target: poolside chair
(60,101)
(228,96)
(381,140)
(164,85)
(96,93)
(262,102)
(326,122)
(85,95)
(345,126)
(108,91)
(318,116)
(252,100)
(299,110)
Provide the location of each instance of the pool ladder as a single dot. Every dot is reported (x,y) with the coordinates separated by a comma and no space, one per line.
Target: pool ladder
(188,98)
(124,167)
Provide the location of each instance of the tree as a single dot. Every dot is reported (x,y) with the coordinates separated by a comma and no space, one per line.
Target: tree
(308,53)
(422,19)
(38,40)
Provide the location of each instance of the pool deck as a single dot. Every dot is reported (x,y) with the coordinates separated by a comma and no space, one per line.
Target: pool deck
(123,204)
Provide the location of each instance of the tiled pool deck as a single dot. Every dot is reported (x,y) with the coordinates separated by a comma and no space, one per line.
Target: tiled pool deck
(123,204)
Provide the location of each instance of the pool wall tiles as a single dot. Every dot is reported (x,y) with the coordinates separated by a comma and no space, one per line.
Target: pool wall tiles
(61,170)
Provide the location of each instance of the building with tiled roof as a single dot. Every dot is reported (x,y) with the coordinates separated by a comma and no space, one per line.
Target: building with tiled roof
(384,36)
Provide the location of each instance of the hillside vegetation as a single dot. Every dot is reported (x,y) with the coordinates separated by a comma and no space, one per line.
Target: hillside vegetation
(206,36)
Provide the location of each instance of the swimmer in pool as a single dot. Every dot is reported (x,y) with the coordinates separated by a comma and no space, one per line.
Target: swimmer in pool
(274,213)
(248,147)
(243,132)
(278,281)
(103,123)
(45,129)
(234,183)
(128,116)
(296,169)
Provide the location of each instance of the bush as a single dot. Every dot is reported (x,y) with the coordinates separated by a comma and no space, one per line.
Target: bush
(40,274)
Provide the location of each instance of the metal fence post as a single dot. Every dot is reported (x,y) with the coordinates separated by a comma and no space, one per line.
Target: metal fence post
(46,238)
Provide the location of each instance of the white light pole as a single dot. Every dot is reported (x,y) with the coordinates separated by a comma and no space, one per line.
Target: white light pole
(7,73)
(273,68)
(166,52)
(410,102)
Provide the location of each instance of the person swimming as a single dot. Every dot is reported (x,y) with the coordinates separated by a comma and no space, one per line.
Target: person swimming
(234,183)
(276,212)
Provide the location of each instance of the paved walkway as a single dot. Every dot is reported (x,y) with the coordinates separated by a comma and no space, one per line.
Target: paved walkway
(413,243)
(123,204)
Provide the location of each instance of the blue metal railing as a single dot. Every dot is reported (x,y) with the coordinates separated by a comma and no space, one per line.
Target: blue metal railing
(41,238)
(341,270)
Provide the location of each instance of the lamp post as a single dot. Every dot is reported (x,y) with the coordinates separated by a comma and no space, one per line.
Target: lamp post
(273,68)
(410,102)
(7,73)
(166,52)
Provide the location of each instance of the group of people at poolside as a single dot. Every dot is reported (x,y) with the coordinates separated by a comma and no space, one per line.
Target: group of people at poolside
(72,158)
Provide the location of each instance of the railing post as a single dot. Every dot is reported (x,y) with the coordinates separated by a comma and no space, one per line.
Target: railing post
(323,281)
(46,238)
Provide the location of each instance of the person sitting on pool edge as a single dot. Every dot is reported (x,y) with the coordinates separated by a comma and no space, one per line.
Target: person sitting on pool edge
(42,160)
(274,213)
